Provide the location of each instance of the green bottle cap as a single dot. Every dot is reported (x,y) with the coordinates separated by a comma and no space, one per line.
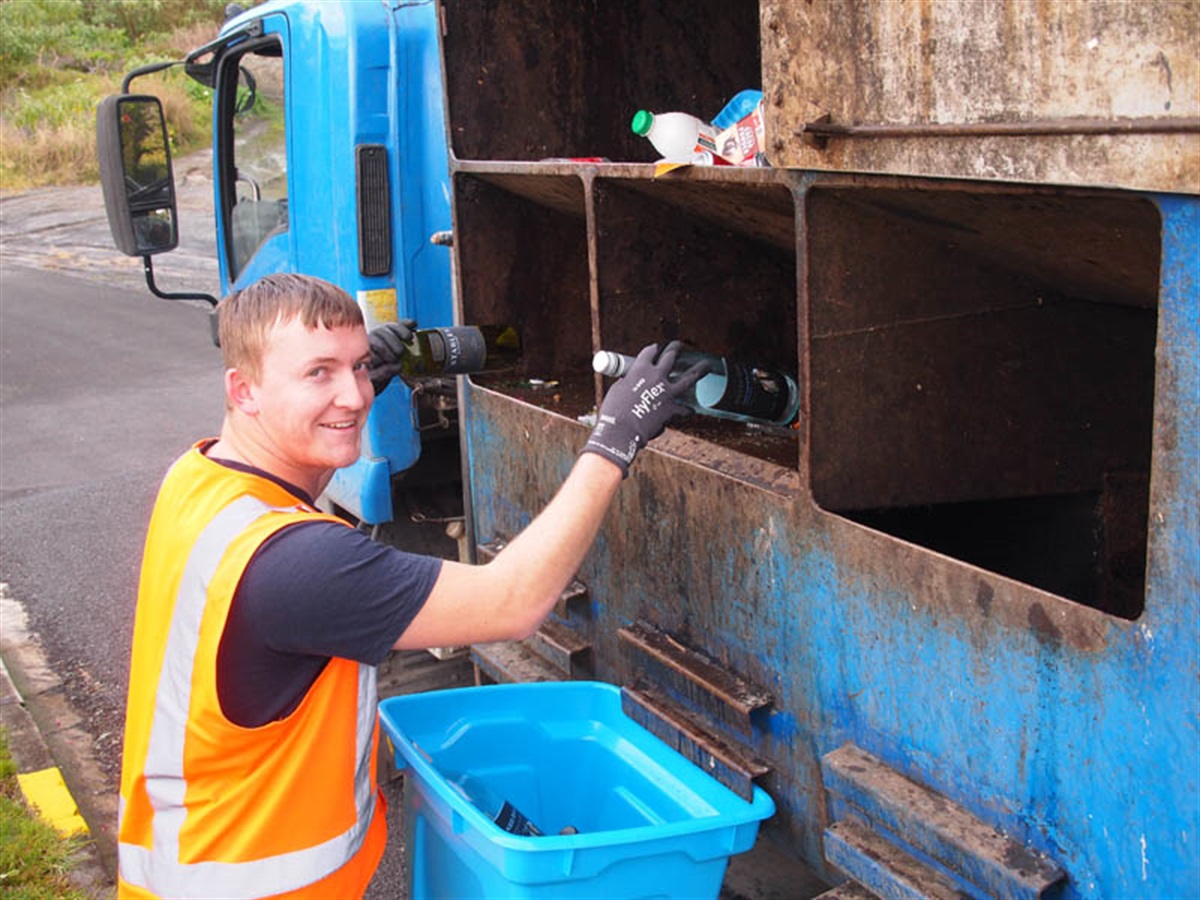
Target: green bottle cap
(642,120)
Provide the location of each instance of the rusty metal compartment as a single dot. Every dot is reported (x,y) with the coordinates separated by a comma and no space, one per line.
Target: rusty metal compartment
(708,263)
(982,365)
(522,252)
(530,79)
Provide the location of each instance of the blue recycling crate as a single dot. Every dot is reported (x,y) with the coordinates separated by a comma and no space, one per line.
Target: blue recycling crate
(650,823)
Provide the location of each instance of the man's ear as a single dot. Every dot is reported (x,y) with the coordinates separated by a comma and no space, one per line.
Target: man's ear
(240,393)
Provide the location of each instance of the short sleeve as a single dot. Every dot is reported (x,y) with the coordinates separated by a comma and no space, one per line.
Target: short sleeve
(322,589)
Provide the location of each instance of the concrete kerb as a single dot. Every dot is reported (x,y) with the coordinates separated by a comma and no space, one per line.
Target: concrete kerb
(57,770)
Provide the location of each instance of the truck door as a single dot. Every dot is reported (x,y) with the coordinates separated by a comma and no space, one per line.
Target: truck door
(250,158)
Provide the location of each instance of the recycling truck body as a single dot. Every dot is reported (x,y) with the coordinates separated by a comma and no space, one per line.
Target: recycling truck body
(948,620)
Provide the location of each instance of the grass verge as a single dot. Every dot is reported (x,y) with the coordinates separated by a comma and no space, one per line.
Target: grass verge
(61,57)
(35,860)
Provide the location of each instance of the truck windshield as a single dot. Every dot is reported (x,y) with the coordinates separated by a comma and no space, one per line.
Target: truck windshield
(256,182)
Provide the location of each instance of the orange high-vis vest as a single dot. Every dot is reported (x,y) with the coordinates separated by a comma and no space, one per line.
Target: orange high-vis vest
(209,808)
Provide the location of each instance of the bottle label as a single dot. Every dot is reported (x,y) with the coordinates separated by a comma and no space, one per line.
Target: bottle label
(512,820)
(465,350)
(754,391)
(706,141)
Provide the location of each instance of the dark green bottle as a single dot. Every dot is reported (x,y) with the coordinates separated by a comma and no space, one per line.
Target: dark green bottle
(461,350)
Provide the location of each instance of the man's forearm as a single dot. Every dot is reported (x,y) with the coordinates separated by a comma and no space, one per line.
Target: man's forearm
(508,598)
(544,557)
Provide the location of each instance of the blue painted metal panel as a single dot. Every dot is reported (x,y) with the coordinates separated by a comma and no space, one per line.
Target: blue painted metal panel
(1072,731)
(364,73)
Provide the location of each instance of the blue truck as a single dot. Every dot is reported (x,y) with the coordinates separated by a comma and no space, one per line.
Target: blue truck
(949,621)
(362,207)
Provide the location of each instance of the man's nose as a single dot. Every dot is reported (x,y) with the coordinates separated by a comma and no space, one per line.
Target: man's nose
(350,392)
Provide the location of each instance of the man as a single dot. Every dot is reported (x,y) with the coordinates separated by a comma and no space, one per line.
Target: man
(251,728)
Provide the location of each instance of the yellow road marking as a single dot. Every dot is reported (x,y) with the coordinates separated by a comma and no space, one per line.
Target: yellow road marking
(47,793)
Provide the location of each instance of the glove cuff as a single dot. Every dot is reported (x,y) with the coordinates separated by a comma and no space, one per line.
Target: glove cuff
(615,444)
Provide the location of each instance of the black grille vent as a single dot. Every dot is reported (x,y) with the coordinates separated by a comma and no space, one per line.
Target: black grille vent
(374,202)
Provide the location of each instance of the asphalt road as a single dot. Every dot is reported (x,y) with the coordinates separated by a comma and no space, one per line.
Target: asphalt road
(102,386)
(100,389)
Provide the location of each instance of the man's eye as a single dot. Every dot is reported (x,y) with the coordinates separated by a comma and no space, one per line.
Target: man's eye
(316,372)
(362,366)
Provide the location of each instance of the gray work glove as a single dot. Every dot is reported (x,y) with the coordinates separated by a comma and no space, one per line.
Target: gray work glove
(389,343)
(638,406)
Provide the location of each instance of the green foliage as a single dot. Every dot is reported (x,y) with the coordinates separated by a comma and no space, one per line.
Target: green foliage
(139,18)
(55,105)
(197,92)
(38,33)
(59,58)
(34,859)
(91,35)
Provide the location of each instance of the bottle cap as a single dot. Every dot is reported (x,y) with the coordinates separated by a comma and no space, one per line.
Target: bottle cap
(642,120)
(607,363)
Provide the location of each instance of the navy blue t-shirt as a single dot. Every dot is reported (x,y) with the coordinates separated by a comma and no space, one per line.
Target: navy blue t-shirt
(313,591)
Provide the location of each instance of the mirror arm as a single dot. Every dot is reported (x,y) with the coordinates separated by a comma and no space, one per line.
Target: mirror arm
(149,269)
(147,70)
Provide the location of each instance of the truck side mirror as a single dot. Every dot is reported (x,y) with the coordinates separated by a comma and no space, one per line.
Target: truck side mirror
(135,174)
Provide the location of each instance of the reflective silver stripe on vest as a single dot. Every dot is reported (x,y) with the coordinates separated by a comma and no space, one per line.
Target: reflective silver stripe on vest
(159,870)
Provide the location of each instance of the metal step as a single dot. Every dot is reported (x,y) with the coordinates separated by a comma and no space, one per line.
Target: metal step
(554,653)
(907,814)
(883,868)
(415,671)
(729,763)
(510,661)
(696,705)
(563,649)
(723,695)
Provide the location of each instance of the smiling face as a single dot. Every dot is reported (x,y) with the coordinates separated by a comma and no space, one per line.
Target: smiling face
(303,416)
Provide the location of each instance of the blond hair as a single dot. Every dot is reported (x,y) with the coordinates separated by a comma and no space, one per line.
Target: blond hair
(246,317)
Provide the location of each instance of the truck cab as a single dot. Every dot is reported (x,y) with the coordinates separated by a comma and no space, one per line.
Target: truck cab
(329,158)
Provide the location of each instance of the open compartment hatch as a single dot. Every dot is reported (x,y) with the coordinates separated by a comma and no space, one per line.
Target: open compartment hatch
(528,80)
(523,255)
(982,365)
(709,263)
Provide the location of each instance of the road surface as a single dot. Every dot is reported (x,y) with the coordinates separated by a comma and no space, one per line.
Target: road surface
(102,386)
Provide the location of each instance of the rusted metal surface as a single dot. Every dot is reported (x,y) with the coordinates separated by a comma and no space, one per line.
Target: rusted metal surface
(545,296)
(563,648)
(743,699)
(868,790)
(917,70)
(530,79)
(823,129)
(508,661)
(982,358)
(965,668)
(885,869)
(724,266)
(730,764)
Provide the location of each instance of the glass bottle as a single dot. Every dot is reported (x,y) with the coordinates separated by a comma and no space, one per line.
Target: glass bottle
(490,803)
(730,389)
(460,350)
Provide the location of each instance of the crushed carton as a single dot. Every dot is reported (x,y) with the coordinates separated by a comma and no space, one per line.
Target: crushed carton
(744,142)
